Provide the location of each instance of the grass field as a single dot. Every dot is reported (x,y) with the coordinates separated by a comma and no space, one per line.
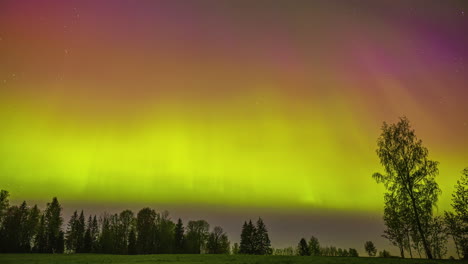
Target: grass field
(236,259)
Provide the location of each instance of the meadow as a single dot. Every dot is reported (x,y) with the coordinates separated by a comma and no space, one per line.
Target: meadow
(232,259)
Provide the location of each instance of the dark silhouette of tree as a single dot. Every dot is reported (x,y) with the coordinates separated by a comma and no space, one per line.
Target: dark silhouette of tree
(4,204)
(370,248)
(458,220)
(106,240)
(179,237)
(353,252)
(32,226)
(132,246)
(262,240)
(384,254)
(197,234)
(408,173)
(218,242)
(453,224)
(247,243)
(41,237)
(303,248)
(95,235)
(146,230)
(314,246)
(121,226)
(396,219)
(71,236)
(88,239)
(437,237)
(165,233)
(14,233)
(80,233)
(235,249)
(53,223)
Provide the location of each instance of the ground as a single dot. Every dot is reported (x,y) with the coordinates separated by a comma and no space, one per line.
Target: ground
(236,259)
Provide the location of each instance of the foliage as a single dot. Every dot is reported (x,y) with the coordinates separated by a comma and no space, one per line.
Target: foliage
(303,248)
(255,239)
(197,234)
(370,248)
(314,246)
(218,242)
(409,177)
(384,254)
(457,222)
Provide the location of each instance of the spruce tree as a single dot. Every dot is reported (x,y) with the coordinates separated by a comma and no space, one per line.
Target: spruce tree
(244,242)
(80,233)
(53,223)
(261,240)
(71,235)
(179,237)
(88,239)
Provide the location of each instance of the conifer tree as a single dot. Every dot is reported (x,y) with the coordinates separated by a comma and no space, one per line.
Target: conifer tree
(262,241)
(179,239)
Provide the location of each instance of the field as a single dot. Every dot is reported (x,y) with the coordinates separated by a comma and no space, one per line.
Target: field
(236,259)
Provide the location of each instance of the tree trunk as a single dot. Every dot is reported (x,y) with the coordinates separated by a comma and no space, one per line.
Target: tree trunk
(409,244)
(418,223)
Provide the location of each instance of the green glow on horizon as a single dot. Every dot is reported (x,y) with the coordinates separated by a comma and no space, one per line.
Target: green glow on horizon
(241,155)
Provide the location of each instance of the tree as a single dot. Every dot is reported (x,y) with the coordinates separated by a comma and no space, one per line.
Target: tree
(165,234)
(14,234)
(384,254)
(261,240)
(41,237)
(31,227)
(80,233)
(4,204)
(71,234)
(396,219)
(132,247)
(106,239)
(408,173)
(122,226)
(459,226)
(95,235)
(235,249)
(218,242)
(53,223)
(179,238)
(146,230)
(437,237)
(197,234)
(353,252)
(453,224)
(370,248)
(303,248)
(88,240)
(247,243)
(314,246)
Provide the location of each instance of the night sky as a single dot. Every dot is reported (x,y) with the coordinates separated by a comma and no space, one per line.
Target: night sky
(229,110)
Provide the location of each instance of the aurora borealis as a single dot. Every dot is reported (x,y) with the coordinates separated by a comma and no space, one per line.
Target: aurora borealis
(242,104)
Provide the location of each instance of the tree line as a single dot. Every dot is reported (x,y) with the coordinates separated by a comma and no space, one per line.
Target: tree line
(26,229)
(412,194)
(313,248)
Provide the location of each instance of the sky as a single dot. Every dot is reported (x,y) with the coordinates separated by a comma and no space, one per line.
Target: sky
(226,110)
